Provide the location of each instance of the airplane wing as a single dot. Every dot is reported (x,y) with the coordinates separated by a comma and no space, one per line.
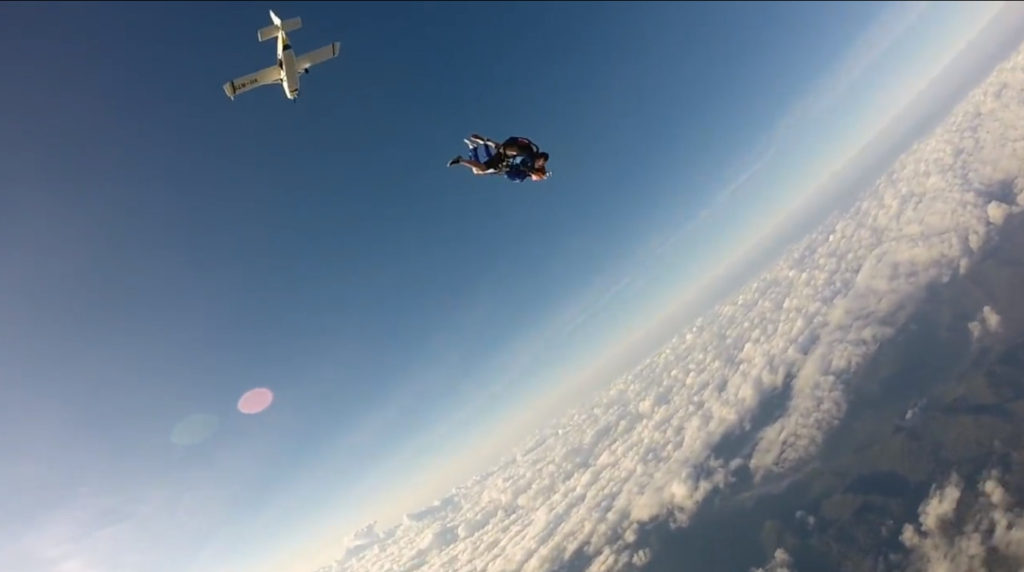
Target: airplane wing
(266,76)
(319,55)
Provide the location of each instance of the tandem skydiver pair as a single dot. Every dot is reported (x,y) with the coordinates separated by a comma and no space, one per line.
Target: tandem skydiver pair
(518,158)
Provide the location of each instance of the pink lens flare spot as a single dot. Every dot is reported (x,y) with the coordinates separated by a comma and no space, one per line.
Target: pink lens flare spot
(255,400)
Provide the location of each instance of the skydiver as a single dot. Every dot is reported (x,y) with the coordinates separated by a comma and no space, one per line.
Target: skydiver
(511,147)
(514,170)
(523,157)
(525,168)
(517,157)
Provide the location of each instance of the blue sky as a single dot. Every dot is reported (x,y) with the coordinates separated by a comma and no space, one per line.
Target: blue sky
(167,249)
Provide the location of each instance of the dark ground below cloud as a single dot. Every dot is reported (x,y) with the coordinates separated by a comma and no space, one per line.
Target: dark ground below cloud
(876,467)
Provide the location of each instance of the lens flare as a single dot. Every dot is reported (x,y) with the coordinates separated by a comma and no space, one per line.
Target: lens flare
(255,400)
(194,429)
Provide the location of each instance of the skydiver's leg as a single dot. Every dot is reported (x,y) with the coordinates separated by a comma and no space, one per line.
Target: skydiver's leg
(484,141)
(483,159)
(474,156)
(477,167)
(481,154)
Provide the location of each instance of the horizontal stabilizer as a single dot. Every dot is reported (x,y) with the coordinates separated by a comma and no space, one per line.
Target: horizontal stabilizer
(269,32)
(273,30)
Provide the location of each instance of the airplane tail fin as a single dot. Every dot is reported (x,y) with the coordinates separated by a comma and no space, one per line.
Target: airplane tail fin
(278,26)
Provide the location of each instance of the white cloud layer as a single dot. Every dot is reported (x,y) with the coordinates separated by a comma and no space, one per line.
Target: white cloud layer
(939,544)
(644,449)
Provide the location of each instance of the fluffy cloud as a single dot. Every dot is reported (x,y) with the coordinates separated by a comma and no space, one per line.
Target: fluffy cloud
(578,490)
(988,322)
(781,562)
(938,544)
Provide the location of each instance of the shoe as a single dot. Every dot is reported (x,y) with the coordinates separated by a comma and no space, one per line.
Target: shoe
(455,161)
(469,143)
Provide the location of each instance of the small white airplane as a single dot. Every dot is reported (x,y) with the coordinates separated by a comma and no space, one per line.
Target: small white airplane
(289,66)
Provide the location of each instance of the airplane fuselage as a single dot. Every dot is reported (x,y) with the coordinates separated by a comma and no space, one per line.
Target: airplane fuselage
(289,65)
(289,71)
